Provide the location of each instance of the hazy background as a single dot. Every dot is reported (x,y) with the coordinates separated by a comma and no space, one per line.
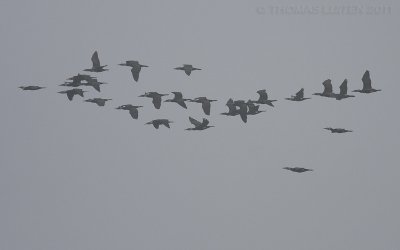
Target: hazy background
(74,176)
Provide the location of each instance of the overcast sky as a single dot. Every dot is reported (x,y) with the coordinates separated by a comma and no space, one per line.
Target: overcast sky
(74,176)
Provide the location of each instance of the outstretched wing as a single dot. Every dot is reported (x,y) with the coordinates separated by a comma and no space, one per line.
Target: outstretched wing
(366,79)
(70,95)
(327,87)
(177,95)
(195,122)
(134,113)
(135,72)
(188,71)
(263,95)
(157,102)
(182,103)
(206,105)
(343,88)
(205,122)
(95,60)
(300,94)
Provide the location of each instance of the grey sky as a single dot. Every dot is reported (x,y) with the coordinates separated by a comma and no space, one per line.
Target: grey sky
(76,176)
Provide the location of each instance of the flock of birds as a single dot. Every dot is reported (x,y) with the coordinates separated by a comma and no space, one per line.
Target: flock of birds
(235,107)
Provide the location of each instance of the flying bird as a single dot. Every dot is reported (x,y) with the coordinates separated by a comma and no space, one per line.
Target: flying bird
(187,68)
(367,85)
(253,109)
(298,97)
(156,123)
(338,130)
(263,98)
(242,111)
(156,98)
(178,98)
(232,108)
(72,92)
(31,87)
(298,170)
(199,125)
(328,91)
(94,83)
(343,91)
(96,67)
(133,110)
(99,101)
(135,68)
(205,103)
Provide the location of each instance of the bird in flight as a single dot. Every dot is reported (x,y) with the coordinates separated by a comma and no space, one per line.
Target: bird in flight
(72,92)
(338,130)
(96,67)
(156,123)
(297,169)
(298,97)
(99,101)
(31,87)
(133,110)
(199,125)
(367,84)
(156,98)
(187,68)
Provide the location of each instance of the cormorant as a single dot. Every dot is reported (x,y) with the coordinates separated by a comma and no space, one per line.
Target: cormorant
(136,67)
(367,85)
(99,101)
(263,98)
(253,109)
(156,123)
(298,97)
(187,68)
(338,130)
(298,170)
(343,91)
(199,125)
(133,110)
(31,87)
(205,103)
(328,92)
(96,67)
(178,98)
(72,92)
(81,77)
(156,98)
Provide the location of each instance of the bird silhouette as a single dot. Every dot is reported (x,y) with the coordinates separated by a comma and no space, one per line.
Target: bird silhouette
(157,98)
(205,103)
(156,123)
(72,92)
(298,170)
(136,67)
(96,67)
(199,125)
(187,68)
(133,110)
(298,97)
(263,98)
(178,98)
(343,91)
(367,84)
(99,101)
(328,91)
(31,87)
(338,130)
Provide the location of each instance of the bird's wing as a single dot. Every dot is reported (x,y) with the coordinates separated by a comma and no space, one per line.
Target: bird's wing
(166,123)
(243,112)
(343,87)
(70,95)
(195,122)
(101,102)
(95,60)
(300,94)
(177,95)
(157,102)
(366,79)
(188,71)
(135,72)
(205,122)
(156,125)
(134,113)
(263,95)
(206,105)
(182,103)
(327,87)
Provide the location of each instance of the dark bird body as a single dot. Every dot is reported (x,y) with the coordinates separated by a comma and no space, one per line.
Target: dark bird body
(367,84)
(156,123)
(136,67)
(96,67)
(199,125)
(157,98)
(205,104)
(298,97)
(253,109)
(298,170)
(31,87)
(133,110)
(99,101)
(343,91)
(187,68)
(263,98)
(328,91)
(338,130)
(178,98)
(72,92)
